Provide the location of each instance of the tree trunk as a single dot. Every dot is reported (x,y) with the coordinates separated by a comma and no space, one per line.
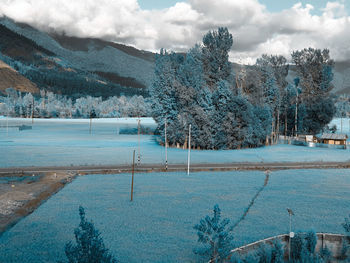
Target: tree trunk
(278,126)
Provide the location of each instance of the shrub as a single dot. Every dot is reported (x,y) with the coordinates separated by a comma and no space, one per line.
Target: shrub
(215,237)
(326,254)
(311,241)
(89,246)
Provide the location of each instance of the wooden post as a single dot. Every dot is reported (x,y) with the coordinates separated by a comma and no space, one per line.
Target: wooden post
(189,150)
(138,138)
(132,177)
(7,124)
(7,117)
(296,115)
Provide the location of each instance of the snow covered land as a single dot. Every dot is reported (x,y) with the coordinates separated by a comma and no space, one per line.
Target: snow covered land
(158,225)
(68,142)
(26,121)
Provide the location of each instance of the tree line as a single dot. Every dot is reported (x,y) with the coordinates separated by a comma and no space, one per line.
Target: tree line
(50,105)
(248,108)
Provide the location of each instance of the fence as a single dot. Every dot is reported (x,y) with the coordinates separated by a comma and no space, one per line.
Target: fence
(334,242)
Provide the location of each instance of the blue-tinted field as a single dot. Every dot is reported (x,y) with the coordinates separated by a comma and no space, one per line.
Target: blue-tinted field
(66,142)
(157,226)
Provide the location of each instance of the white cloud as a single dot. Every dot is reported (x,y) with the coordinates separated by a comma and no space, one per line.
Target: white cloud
(179,27)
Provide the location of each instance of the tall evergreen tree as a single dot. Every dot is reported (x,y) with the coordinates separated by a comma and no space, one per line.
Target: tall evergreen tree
(89,246)
(215,236)
(216,46)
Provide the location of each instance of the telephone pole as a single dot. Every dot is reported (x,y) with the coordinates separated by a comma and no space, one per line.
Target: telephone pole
(132,176)
(189,150)
(138,137)
(291,234)
(341,124)
(296,82)
(33,110)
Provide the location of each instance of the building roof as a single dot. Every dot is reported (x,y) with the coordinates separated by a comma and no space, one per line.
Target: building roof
(333,136)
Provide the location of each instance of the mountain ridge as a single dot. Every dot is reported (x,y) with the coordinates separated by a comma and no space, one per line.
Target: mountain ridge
(109,68)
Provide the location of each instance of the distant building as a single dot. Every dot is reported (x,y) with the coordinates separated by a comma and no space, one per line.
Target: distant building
(333,139)
(307,138)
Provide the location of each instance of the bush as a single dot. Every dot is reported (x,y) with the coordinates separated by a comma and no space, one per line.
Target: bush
(215,237)
(326,254)
(89,246)
(311,241)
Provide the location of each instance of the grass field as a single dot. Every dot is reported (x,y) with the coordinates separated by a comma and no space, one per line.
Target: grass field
(158,225)
(68,142)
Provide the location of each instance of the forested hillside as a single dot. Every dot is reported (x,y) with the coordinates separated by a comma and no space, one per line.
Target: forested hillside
(73,66)
(85,66)
(11,78)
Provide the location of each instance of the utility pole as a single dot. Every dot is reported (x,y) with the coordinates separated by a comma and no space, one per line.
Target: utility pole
(189,150)
(7,124)
(291,234)
(7,119)
(7,115)
(296,82)
(166,147)
(341,124)
(132,177)
(138,137)
(33,110)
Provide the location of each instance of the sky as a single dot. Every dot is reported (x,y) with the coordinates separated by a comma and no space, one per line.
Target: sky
(257,26)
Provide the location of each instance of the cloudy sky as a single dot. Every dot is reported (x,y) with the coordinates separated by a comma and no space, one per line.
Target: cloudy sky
(258,26)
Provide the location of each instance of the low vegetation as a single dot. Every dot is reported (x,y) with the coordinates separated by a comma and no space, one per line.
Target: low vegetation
(89,247)
(50,105)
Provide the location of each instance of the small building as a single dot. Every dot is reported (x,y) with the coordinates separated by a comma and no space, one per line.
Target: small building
(307,138)
(333,139)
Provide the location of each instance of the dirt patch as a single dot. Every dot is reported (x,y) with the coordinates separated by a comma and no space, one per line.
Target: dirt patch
(21,195)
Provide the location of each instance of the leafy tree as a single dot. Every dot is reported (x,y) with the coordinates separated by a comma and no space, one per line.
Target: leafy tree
(273,70)
(89,247)
(315,69)
(215,236)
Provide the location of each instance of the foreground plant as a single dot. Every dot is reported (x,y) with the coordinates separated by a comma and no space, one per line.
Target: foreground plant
(215,236)
(89,247)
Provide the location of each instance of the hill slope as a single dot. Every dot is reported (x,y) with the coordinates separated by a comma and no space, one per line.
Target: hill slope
(75,66)
(9,78)
(86,66)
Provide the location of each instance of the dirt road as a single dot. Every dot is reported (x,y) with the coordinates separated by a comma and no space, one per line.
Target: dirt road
(176,167)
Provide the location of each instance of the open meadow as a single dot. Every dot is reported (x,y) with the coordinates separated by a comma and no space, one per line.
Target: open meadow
(158,225)
(64,142)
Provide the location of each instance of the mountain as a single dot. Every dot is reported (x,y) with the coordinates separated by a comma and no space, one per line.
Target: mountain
(10,78)
(75,66)
(87,66)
